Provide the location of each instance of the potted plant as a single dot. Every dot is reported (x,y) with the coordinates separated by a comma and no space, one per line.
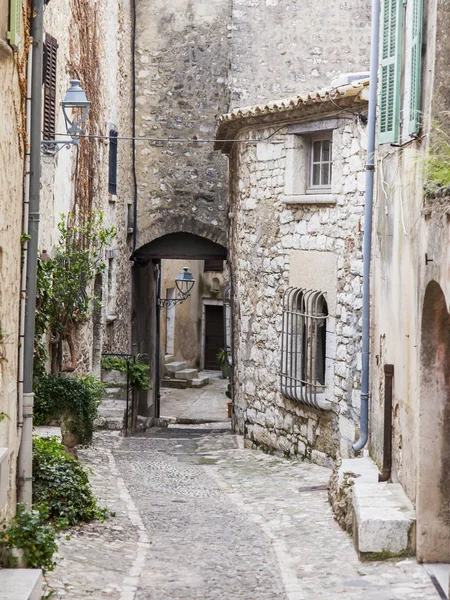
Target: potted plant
(222,360)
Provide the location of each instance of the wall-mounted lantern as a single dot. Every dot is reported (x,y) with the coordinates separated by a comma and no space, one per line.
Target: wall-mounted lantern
(185,282)
(75,99)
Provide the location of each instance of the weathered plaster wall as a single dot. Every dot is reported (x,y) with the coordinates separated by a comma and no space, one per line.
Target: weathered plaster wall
(12,148)
(282,47)
(77,179)
(406,227)
(269,241)
(189,333)
(181,85)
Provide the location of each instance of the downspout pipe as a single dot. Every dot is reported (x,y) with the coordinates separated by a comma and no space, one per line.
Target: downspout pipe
(367,243)
(26,445)
(23,278)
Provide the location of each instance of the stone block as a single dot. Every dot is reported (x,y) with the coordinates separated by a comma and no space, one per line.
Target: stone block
(21,584)
(384,517)
(188,374)
(179,384)
(199,382)
(113,377)
(173,367)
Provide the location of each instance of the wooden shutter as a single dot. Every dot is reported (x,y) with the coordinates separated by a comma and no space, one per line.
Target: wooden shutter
(15,23)
(416,67)
(214,265)
(389,98)
(112,179)
(51,49)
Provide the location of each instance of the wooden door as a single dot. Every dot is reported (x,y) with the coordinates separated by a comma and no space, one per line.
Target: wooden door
(214,339)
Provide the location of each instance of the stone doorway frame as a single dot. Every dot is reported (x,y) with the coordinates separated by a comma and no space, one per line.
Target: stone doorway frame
(433,490)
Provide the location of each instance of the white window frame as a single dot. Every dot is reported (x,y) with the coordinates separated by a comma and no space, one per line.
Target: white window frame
(299,139)
(320,137)
(303,372)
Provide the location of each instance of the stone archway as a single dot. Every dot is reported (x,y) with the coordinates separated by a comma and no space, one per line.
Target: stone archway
(187,242)
(433,498)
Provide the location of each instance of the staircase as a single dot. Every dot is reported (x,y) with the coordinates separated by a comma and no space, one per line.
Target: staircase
(178,376)
(112,409)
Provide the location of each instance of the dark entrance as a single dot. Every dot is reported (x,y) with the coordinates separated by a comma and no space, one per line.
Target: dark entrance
(214,339)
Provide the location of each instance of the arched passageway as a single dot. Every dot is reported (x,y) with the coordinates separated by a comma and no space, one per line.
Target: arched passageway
(149,285)
(433,499)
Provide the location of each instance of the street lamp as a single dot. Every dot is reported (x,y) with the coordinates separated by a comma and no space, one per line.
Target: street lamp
(185,282)
(75,98)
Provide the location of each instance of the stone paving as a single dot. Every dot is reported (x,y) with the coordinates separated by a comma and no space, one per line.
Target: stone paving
(200,517)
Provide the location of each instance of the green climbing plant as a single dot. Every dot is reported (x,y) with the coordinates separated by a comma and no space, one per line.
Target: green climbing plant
(138,369)
(64,282)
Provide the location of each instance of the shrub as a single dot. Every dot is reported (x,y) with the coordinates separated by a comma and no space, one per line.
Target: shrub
(62,483)
(138,370)
(77,397)
(29,531)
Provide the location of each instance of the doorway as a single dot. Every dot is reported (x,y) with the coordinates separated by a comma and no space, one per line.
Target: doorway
(433,497)
(214,336)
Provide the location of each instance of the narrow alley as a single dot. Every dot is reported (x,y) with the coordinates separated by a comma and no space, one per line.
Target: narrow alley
(196,515)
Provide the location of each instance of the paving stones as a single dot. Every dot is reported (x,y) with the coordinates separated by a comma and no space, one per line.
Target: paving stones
(222,522)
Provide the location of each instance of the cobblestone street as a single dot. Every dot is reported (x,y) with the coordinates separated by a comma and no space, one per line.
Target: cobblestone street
(198,516)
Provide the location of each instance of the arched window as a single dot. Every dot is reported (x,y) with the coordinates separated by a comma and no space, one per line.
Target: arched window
(303,350)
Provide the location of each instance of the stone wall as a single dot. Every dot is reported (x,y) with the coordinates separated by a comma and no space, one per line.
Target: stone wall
(12,152)
(181,85)
(269,241)
(282,47)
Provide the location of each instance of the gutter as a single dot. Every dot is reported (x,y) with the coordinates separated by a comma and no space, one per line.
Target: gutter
(26,445)
(23,279)
(367,250)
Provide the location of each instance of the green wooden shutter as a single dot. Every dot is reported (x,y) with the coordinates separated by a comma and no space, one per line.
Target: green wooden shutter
(389,98)
(15,23)
(416,68)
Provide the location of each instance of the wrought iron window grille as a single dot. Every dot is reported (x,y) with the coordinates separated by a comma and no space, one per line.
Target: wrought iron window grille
(303,349)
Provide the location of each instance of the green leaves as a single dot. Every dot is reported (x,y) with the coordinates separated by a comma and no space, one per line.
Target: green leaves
(30,532)
(62,484)
(59,395)
(138,370)
(64,281)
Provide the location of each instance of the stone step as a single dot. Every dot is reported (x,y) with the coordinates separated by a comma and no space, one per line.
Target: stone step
(188,374)
(112,377)
(168,358)
(200,382)
(384,519)
(179,384)
(173,367)
(21,584)
(119,392)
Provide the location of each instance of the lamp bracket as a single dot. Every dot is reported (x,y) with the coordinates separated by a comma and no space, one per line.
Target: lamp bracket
(56,145)
(171,302)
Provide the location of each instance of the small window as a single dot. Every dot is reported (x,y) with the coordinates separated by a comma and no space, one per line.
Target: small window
(213,265)
(320,164)
(112,179)
(50,54)
(303,352)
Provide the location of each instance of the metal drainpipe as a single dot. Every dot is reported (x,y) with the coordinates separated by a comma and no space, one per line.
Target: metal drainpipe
(23,282)
(370,168)
(26,445)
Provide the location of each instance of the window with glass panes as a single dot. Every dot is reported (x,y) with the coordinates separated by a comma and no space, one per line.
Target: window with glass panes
(321,163)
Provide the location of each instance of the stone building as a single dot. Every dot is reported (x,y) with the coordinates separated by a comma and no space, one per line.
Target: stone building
(197,60)
(296,205)
(192,332)
(97,175)
(13,72)
(411,277)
